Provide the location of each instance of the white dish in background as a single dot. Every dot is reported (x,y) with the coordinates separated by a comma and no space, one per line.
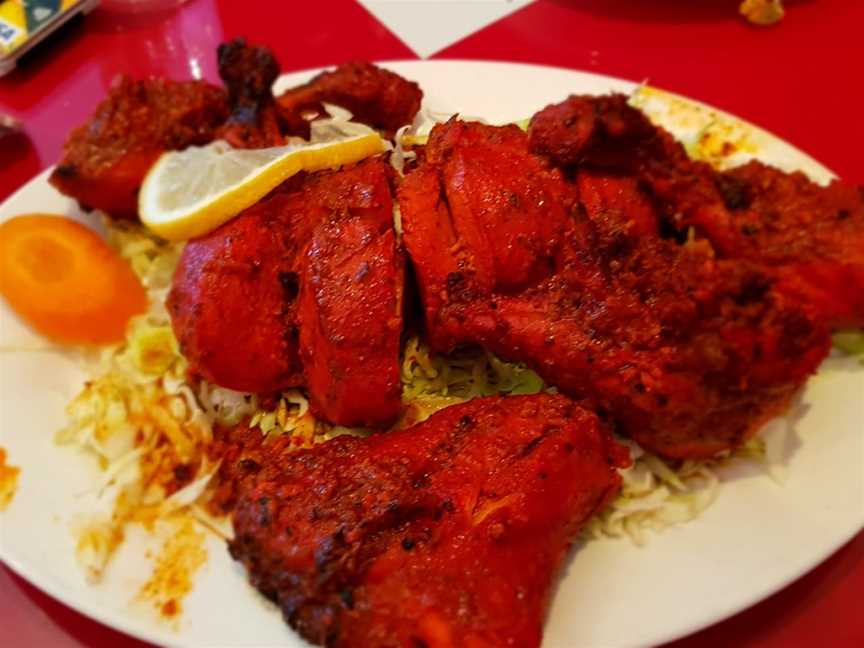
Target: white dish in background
(756,538)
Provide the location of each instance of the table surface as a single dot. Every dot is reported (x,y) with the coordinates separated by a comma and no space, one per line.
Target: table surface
(800,79)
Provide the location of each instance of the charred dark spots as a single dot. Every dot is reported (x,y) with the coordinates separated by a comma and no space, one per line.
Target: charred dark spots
(843,214)
(249,465)
(347,597)
(332,635)
(798,333)
(735,193)
(66,170)
(408,544)
(447,506)
(617,246)
(328,549)
(466,421)
(668,332)
(183,473)
(530,446)
(753,289)
(290,283)
(671,232)
(264,518)
(245,115)
(456,282)
(362,272)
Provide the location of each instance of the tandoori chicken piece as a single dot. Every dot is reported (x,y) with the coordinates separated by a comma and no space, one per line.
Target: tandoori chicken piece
(248,73)
(597,130)
(812,236)
(448,534)
(105,160)
(271,290)
(620,198)
(352,281)
(375,96)
(233,301)
(689,355)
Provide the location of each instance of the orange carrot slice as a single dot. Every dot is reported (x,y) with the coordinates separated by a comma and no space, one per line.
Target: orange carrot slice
(65,281)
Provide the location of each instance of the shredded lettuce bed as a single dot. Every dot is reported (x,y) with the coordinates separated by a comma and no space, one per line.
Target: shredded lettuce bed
(850,342)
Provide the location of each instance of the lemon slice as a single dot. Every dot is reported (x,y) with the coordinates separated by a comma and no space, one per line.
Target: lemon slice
(191,192)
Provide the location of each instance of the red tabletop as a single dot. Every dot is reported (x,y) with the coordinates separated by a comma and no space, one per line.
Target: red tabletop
(801,79)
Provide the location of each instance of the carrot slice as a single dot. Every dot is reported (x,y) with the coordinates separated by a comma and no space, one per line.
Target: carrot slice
(65,281)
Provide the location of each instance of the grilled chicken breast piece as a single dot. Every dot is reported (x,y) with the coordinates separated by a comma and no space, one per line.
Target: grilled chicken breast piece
(811,236)
(688,354)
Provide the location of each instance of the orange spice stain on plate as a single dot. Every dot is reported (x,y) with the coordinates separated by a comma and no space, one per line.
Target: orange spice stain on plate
(708,135)
(8,481)
(182,555)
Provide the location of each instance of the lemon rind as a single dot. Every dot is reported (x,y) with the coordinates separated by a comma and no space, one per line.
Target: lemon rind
(206,216)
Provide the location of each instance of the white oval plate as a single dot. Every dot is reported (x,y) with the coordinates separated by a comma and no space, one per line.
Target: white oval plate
(758,537)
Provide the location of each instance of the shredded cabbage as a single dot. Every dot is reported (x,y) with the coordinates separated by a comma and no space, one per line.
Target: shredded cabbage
(138,416)
(850,342)
(338,125)
(402,152)
(431,382)
(655,495)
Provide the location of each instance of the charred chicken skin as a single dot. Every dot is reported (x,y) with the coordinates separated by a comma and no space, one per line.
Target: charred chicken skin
(689,355)
(248,73)
(375,96)
(105,160)
(233,301)
(447,534)
(812,237)
(351,309)
(304,288)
